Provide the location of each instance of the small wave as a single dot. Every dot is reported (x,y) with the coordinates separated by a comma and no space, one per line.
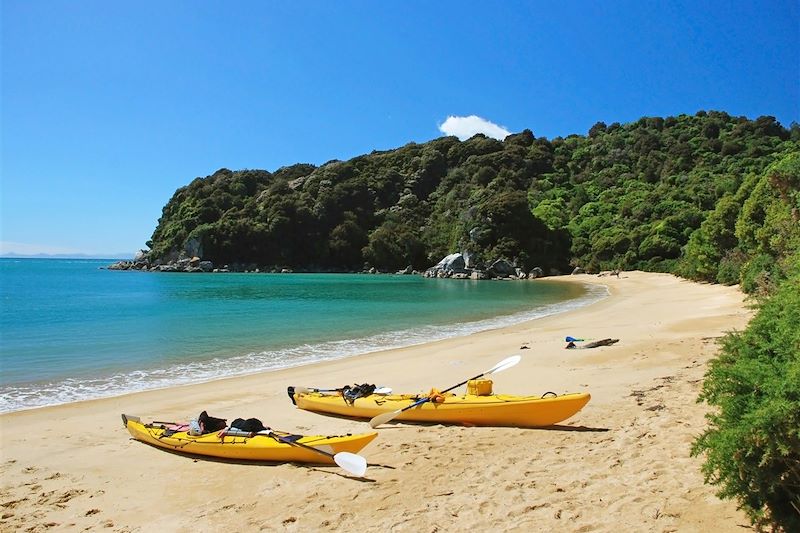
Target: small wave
(37,395)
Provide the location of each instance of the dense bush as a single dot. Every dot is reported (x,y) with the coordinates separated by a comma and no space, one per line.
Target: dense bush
(752,445)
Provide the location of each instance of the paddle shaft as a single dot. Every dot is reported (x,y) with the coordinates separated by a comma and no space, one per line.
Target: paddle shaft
(355,464)
(298,444)
(499,367)
(428,398)
(465,382)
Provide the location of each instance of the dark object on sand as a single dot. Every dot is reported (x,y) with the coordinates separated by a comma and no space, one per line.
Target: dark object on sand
(595,344)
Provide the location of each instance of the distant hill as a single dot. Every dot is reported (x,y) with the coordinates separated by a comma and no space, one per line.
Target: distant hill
(111,257)
(688,194)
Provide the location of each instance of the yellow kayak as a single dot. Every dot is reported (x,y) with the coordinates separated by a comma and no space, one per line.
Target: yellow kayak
(469,409)
(276,446)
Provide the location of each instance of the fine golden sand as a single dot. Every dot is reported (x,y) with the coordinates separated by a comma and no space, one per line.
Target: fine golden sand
(621,464)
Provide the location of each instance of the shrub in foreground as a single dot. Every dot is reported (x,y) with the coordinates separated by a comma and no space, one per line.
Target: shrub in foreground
(752,444)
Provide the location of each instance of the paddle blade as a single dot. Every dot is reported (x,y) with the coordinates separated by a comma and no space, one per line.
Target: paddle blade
(505,364)
(355,464)
(301,390)
(382,390)
(383,418)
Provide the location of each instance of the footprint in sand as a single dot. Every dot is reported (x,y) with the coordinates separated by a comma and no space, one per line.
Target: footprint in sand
(517,498)
(68,495)
(13,503)
(45,497)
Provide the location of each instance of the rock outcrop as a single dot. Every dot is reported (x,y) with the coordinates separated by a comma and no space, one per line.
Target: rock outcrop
(502,269)
(447,267)
(184,264)
(457,265)
(463,266)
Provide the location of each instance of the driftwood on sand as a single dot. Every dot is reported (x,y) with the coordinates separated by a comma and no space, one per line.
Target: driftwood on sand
(594,344)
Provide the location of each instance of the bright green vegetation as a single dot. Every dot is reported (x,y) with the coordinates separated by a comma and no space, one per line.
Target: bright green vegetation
(752,446)
(709,197)
(624,196)
(751,233)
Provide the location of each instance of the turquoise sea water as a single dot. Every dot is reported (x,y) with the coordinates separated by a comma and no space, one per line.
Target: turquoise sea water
(70,330)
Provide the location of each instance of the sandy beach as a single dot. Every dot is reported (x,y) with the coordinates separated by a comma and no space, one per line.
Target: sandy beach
(621,464)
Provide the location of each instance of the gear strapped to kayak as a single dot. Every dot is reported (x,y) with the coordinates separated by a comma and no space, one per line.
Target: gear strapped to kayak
(351,394)
(252,425)
(206,424)
(434,396)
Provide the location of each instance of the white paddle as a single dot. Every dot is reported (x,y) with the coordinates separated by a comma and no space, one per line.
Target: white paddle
(353,463)
(505,364)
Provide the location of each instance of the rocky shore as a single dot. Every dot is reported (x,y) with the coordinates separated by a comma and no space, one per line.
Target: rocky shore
(459,266)
(456,266)
(195,264)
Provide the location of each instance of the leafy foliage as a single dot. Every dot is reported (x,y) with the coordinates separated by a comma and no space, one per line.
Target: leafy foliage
(660,194)
(752,445)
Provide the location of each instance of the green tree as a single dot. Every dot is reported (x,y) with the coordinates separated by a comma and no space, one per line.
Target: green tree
(346,242)
(715,238)
(393,246)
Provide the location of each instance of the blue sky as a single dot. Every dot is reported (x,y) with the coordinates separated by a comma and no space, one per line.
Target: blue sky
(109,107)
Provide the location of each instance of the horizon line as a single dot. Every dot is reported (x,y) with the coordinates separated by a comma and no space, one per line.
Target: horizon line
(14,255)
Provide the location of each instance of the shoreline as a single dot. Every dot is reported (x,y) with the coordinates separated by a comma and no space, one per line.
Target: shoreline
(623,459)
(272,360)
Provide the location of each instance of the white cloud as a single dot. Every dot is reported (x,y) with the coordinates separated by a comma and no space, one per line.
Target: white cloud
(466,127)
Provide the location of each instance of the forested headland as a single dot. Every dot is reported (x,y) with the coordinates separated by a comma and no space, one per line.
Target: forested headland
(685,194)
(709,197)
